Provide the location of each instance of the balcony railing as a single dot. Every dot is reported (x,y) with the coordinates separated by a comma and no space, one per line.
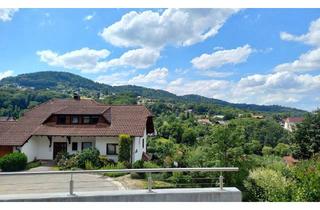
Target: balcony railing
(149,172)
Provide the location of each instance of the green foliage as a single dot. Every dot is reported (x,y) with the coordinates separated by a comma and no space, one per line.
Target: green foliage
(266,150)
(118,165)
(149,164)
(125,143)
(66,162)
(282,149)
(103,159)
(88,165)
(33,164)
(89,154)
(189,136)
(15,161)
(265,184)
(307,136)
(307,176)
(138,164)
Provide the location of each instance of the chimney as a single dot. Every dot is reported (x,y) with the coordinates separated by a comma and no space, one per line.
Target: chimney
(76,96)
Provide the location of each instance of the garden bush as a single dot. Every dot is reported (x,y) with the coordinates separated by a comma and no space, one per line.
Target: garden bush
(119,165)
(103,159)
(266,150)
(264,184)
(15,161)
(135,175)
(89,166)
(124,148)
(70,162)
(90,154)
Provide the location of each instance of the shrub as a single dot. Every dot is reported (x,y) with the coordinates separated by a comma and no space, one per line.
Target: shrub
(282,149)
(267,150)
(119,165)
(137,175)
(149,164)
(124,148)
(60,156)
(90,154)
(68,163)
(265,184)
(15,161)
(138,164)
(88,165)
(103,159)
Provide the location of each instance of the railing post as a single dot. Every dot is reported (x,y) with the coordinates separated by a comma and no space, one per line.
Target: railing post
(149,182)
(221,181)
(71,185)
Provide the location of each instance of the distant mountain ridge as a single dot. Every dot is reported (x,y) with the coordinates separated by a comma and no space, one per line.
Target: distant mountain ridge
(62,81)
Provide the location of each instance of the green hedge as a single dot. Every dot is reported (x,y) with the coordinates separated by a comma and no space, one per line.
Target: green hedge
(15,161)
(124,148)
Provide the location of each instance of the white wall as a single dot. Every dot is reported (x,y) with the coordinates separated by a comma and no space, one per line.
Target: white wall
(38,146)
(30,149)
(139,146)
(101,145)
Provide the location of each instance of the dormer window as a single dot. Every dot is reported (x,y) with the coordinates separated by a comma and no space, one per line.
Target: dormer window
(61,119)
(75,120)
(90,119)
(86,119)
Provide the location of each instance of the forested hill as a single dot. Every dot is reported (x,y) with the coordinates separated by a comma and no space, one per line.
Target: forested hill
(66,83)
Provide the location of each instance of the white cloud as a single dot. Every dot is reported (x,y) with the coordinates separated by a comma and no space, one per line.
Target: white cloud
(180,27)
(222,57)
(311,38)
(118,78)
(91,61)
(84,59)
(208,88)
(5,74)
(89,17)
(157,76)
(216,74)
(283,88)
(7,14)
(309,61)
(137,58)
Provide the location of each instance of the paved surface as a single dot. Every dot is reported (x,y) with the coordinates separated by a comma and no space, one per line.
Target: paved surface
(30,184)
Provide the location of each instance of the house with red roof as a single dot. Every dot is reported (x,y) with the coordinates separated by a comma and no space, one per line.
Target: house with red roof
(72,125)
(290,123)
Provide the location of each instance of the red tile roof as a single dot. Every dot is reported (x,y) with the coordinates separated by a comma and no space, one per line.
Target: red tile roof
(5,125)
(124,120)
(294,119)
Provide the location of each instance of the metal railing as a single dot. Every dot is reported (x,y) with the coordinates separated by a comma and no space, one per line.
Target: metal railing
(147,171)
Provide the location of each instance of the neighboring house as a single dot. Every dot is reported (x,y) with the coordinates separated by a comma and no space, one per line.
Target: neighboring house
(257,116)
(72,125)
(220,117)
(204,121)
(290,123)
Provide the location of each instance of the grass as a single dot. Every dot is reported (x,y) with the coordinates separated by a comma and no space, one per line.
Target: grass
(33,164)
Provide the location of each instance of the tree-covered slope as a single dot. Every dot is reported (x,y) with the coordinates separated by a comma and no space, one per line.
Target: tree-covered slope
(66,83)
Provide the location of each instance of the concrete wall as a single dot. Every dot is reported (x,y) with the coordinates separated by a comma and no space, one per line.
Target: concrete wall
(228,194)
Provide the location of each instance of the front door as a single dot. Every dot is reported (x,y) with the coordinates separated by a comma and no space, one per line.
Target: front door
(59,147)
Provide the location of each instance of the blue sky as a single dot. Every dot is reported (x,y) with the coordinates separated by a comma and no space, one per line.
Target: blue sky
(261,56)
